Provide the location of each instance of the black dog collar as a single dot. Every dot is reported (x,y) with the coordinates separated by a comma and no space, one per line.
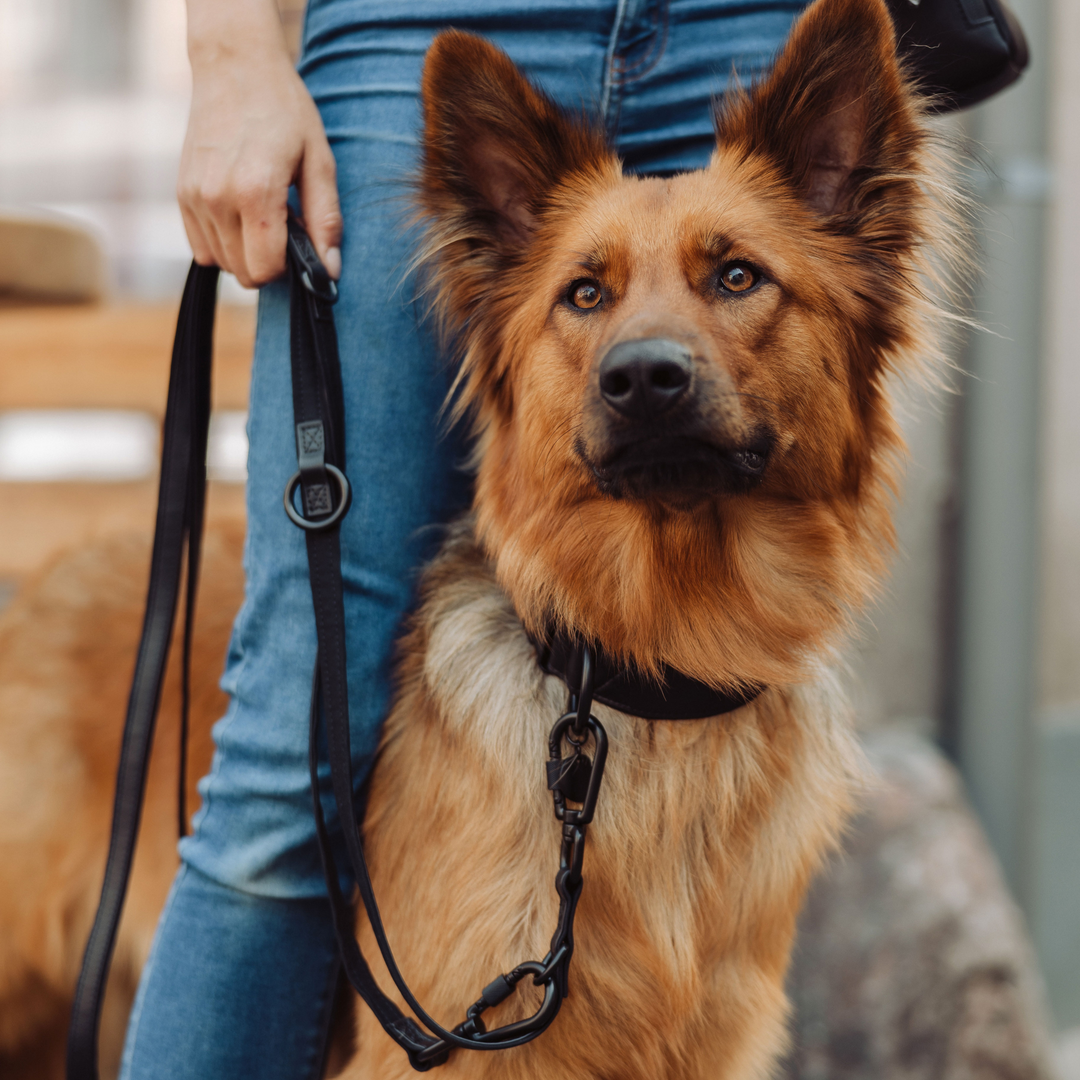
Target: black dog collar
(674,697)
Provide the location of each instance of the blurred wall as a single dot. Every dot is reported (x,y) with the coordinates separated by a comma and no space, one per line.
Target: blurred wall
(52,49)
(93,106)
(1059,671)
(898,662)
(1055,909)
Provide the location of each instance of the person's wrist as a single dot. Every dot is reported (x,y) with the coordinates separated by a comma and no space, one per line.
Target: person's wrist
(234,31)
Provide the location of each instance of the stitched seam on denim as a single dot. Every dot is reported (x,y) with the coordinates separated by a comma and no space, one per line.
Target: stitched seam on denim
(659,32)
(320,1048)
(609,63)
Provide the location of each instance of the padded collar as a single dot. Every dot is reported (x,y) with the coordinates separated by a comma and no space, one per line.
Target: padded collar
(674,697)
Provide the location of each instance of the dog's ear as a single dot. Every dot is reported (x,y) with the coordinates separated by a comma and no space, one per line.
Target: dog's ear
(835,114)
(494,147)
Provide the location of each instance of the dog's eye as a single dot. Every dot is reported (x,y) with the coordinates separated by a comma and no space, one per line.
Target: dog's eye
(738,277)
(584,294)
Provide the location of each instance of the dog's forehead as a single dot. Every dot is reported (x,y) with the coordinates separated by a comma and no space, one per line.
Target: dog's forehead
(720,211)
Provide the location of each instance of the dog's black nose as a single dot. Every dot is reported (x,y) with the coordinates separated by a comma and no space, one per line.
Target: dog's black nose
(644,378)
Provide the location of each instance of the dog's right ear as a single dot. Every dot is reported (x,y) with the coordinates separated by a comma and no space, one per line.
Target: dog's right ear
(494,147)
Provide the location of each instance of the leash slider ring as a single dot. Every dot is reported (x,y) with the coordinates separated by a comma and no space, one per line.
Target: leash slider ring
(326,522)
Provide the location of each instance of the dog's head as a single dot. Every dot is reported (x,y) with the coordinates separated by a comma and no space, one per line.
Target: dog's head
(683,435)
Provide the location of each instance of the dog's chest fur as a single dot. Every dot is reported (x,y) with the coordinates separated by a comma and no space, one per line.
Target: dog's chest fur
(704,838)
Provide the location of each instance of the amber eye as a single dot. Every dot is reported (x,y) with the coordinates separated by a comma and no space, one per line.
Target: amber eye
(585,294)
(738,277)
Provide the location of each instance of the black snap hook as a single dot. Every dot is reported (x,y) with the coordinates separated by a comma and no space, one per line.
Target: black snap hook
(586,777)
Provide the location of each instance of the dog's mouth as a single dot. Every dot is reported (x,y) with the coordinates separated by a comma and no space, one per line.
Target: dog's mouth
(679,466)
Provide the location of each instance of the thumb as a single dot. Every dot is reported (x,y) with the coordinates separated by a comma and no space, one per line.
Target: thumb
(319,203)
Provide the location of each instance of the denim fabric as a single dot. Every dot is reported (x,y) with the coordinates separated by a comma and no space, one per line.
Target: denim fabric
(236,984)
(229,969)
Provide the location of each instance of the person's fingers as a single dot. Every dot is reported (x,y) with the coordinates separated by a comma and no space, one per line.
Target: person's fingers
(263,213)
(319,202)
(229,240)
(218,255)
(220,219)
(201,249)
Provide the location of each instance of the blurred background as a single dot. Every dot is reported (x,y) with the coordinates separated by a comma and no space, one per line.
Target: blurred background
(975,645)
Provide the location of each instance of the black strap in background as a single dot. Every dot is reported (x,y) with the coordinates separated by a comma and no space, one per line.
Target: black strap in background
(181,496)
(961,51)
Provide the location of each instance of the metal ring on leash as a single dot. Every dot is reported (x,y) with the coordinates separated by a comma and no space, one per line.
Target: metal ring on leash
(344,494)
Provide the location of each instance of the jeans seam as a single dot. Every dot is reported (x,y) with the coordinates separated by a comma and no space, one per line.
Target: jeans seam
(610,82)
(323,1029)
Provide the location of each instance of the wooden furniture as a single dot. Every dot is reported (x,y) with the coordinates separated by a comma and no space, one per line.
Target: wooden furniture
(100,356)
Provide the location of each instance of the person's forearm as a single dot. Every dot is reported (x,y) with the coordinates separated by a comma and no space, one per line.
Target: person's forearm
(228,30)
(253,131)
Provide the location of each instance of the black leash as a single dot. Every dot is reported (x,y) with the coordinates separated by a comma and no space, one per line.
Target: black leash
(324,494)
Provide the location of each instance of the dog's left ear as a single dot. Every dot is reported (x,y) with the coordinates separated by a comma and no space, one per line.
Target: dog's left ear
(494,147)
(835,114)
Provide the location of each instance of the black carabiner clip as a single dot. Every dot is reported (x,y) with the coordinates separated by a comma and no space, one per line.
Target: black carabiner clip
(557,764)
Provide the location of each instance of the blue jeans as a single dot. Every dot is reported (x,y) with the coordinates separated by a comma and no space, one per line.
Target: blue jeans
(240,977)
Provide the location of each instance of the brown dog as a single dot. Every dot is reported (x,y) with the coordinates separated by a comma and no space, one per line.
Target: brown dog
(684,453)
(684,447)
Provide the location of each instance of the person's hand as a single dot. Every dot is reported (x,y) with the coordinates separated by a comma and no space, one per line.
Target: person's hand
(253,131)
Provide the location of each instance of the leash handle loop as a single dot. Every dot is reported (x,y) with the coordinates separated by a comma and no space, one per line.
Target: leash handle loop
(178,530)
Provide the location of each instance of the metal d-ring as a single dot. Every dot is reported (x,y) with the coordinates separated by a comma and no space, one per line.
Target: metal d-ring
(323,523)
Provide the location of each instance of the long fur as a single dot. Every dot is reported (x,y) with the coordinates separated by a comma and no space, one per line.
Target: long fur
(695,866)
(754,589)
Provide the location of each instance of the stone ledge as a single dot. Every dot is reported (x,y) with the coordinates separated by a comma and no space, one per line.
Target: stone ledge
(913,962)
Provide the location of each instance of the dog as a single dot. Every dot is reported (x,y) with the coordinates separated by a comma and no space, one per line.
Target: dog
(685,454)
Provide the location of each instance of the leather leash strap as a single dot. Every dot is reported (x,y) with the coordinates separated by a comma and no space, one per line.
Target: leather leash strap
(181,498)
